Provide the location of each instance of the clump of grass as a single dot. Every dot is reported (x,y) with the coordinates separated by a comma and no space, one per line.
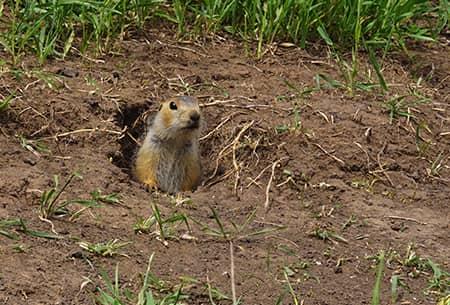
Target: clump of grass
(325,235)
(19,224)
(52,28)
(36,147)
(396,108)
(155,289)
(381,24)
(108,248)
(411,265)
(436,165)
(50,206)
(144,225)
(236,231)
(440,282)
(295,126)
(165,226)
(5,102)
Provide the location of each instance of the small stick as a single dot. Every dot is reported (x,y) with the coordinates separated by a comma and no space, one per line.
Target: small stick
(233,286)
(134,139)
(50,222)
(218,102)
(330,155)
(236,139)
(235,164)
(225,176)
(365,151)
(406,218)
(381,166)
(225,103)
(286,181)
(269,184)
(253,181)
(218,158)
(217,127)
(181,48)
(65,134)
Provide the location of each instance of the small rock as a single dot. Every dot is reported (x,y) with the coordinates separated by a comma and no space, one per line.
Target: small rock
(116,74)
(77,254)
(68,72)
(399,226)
(30,161)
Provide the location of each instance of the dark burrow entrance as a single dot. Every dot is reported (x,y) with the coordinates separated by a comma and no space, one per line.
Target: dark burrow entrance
(216,152)
(134,119)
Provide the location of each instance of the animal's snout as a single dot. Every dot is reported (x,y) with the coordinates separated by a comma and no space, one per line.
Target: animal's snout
(194,120)
(195,116)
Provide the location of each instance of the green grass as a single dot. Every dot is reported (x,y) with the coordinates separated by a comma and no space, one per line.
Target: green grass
(153,291)
(50,205)
(109,248)
(376,292)
(54,27)
(18,224)
(5,102)
(235,231)
(411,265)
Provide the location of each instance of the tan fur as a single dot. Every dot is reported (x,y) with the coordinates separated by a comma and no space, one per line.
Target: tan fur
(145,160)
(193,173)
(169,157)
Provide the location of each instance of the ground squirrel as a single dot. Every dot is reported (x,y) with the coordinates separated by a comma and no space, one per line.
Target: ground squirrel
(169,157)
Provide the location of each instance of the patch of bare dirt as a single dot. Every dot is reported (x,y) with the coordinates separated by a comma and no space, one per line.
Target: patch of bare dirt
(347,183)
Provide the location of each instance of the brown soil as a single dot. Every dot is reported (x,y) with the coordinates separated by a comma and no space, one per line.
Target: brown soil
(341,159)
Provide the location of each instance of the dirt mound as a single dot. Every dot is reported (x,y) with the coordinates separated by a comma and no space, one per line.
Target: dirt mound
(309,182)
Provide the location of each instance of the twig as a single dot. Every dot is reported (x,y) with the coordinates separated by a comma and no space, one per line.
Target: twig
(235,164)
(232,144)
(181,48)
(233,285)
(226,103)
(218,102)
(139,144)
(65,134)
(225,176)
(381,166)
(269,184)
(406,218)
(330,155)
(219,156)
(253,181)
(50,222)
(365,151)
(217,127)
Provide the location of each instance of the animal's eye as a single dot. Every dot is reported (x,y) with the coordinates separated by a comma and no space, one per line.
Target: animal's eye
(173,106)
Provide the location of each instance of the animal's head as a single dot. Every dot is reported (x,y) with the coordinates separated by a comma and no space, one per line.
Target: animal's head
(179,116)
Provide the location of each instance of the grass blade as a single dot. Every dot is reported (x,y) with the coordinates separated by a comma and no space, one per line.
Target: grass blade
(377,287)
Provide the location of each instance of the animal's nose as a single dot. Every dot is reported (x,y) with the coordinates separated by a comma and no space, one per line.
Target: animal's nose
(195,116)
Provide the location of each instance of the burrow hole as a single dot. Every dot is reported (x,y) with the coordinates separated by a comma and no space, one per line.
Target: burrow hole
(135,118)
